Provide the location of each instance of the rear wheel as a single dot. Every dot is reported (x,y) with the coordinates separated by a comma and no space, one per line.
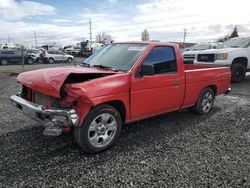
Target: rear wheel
(100,130)
(51,60)
(238,72)
(4,62)
(205,101)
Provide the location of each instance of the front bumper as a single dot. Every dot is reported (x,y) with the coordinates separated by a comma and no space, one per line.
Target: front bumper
(55,117)
(188,61)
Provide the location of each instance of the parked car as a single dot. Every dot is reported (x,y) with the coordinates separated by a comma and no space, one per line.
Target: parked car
(35,52)
(76,52)
(233,53)
(190,54)
(119,84)
(14,56)
(53,56)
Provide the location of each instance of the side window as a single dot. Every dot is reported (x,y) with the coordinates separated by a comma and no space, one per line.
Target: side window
(163,58)
(9,52)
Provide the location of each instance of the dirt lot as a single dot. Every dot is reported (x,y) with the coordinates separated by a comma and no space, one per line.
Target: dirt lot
(180,149)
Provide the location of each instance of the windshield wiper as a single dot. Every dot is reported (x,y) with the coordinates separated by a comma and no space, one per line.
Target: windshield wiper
(106,67)
(234,46)
(85,64)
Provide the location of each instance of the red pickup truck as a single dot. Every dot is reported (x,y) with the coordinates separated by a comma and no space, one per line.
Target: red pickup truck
(119,84)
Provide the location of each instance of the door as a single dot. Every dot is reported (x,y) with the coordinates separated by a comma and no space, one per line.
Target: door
(17,56)
(11,56)
(56,55)
(61,56)
(161,92)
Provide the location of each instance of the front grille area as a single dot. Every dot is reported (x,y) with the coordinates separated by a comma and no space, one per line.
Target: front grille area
(42,99)
(206,57)
(189,56)
(27,94)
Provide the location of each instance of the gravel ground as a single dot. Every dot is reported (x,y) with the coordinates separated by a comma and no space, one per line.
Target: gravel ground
(179,149)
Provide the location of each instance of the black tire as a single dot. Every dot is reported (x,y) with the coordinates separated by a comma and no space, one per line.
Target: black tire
(83,134)
(30,61)
(69,60)
(4,62)
(238,72)
(206,98)
(51,60)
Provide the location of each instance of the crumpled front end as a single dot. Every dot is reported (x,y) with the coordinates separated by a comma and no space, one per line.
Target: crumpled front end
(54,113)
(60,117)
(62,100)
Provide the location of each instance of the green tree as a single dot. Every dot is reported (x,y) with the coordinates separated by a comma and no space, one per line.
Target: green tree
(145,35)
(234,33)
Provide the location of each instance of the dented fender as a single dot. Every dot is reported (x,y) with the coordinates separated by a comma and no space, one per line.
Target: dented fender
(89,94)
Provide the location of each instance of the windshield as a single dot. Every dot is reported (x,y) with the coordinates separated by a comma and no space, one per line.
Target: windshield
(117,56)
(201,47)
(236,43)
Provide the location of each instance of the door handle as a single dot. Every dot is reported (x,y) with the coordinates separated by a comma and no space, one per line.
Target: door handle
(176,83)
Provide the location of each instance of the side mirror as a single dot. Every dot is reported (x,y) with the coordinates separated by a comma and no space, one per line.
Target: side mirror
(147,70)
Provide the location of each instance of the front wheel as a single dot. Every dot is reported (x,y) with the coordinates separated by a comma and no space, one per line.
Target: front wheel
(30,61)
(100,130)
(205,101)
(238,72)
(69,60)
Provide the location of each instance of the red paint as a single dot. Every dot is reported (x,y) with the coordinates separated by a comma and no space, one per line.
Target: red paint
(142,97)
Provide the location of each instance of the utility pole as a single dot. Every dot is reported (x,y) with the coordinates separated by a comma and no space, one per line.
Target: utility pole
(90,30)
(184,37)
(35,38)
(23,57)
(8,39)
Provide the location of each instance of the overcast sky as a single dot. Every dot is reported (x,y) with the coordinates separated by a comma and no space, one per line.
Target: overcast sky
(66,22)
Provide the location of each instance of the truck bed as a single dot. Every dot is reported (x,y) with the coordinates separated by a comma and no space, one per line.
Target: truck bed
(198,77)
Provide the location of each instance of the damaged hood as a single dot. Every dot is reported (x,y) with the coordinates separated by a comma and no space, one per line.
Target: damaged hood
(50,80)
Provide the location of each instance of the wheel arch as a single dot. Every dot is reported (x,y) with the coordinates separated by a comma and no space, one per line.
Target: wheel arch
(117,104)
(51,58)
(120,106)
(241,60)
(212,86)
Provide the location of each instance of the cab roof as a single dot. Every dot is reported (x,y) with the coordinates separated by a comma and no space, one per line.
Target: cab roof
(151,43)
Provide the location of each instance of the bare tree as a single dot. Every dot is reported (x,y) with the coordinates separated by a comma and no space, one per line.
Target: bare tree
(145,35)
(103,38)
